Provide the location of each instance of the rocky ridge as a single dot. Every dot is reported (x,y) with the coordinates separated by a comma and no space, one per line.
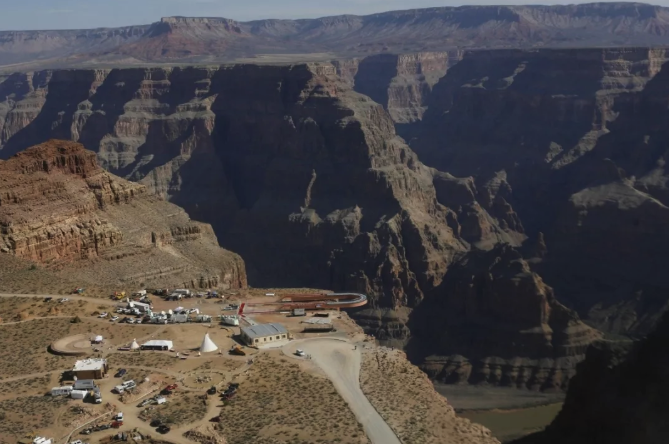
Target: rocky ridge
(216,40)
(59,209)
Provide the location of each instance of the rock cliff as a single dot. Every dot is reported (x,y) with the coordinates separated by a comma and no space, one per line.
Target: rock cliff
(302,176)
(492,336)
(619,395)
(573,141)
(58,208)
(215,40)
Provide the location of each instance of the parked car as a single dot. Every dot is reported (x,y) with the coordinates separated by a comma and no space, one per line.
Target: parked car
(78,441)
(119,416)
(87,431)
(120,373)
(104,427)
(48,299)
(130,321)
(212,390)
(171,387)
(299,352)
(117,424)
(156,422)
(163,429)
(64,300)
(138,321)
(114,318)
(104,314)
(146,402)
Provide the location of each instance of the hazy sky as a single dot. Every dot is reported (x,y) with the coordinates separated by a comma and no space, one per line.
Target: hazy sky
(73,14)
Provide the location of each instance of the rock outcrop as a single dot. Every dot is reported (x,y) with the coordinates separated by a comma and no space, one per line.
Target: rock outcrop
(301,175)
(58,208)
(618,396)
(216,40)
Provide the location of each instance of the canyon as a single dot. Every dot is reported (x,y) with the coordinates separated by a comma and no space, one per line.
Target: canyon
(503,209)
(207,40)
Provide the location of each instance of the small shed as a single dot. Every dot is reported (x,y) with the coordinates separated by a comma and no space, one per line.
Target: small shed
(299,312)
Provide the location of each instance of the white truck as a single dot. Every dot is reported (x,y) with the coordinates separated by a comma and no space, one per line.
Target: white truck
(230,320)
(203,318)
(127,385)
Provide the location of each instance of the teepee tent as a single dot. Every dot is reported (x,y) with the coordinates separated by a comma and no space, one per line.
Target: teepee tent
(134,345)
(208,345)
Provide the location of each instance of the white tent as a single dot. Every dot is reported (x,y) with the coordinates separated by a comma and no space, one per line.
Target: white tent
(208,345)
(134,345)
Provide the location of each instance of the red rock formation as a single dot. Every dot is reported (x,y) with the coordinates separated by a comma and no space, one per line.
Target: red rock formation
(60,209)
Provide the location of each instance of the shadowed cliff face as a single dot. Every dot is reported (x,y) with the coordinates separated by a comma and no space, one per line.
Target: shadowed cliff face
(577,140)
(306,179)
(619,395)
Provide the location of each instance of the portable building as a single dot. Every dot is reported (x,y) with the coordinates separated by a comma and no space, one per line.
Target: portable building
(299,312)
(78,394)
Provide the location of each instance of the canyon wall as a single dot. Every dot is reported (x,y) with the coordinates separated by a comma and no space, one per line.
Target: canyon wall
(574,141)
(307,180)
(59,209)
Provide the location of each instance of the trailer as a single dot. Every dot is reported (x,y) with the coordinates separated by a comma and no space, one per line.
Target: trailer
(59,391)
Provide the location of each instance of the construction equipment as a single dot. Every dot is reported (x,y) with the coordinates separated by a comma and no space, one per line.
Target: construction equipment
(237,350)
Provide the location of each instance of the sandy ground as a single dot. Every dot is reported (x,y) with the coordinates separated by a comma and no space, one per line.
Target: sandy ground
(340,361)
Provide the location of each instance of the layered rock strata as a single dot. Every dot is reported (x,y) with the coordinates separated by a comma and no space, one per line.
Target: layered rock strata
(58,208)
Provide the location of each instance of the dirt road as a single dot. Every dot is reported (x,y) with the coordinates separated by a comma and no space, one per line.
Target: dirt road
(341,363)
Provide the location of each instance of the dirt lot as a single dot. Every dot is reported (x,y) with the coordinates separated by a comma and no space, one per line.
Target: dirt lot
(406,399)
(180,408)
(280,403)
